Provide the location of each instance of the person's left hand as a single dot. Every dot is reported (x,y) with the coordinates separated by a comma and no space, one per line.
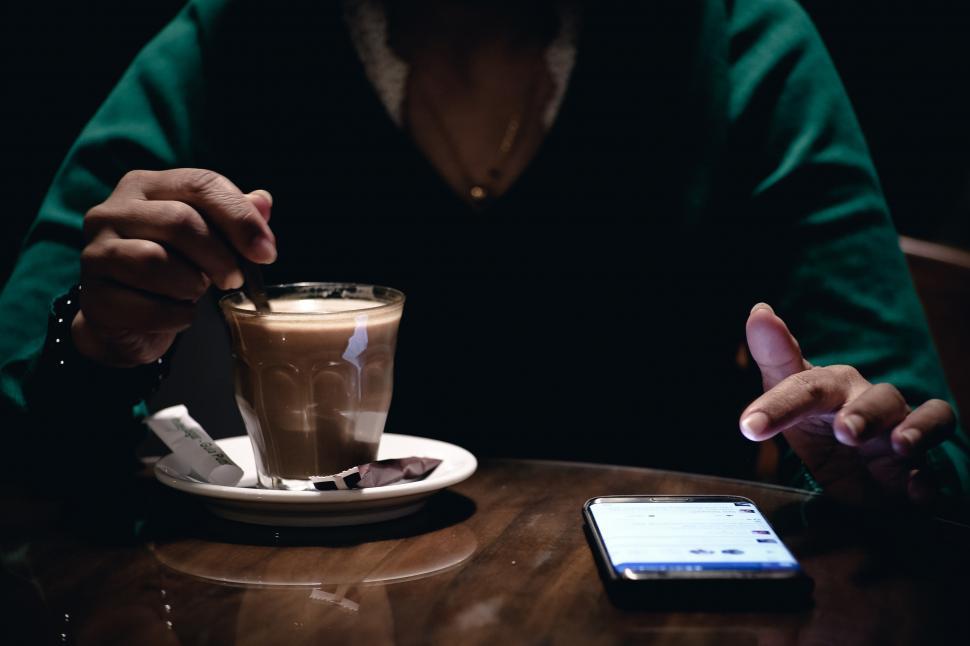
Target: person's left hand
(860,441)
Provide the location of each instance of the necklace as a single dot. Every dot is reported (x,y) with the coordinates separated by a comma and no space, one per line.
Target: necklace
(480,191)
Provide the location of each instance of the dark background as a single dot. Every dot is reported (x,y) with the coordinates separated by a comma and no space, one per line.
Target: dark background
(906,64)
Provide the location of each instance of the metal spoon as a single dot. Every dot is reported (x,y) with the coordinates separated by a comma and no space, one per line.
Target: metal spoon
(254,287)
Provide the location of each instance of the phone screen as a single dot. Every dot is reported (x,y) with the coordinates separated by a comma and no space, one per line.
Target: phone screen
(689,537)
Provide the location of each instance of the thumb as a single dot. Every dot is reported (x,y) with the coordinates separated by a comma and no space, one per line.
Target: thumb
(772,346)
(263,201)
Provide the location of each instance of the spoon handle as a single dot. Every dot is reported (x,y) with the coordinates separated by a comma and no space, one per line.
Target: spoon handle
(254,287)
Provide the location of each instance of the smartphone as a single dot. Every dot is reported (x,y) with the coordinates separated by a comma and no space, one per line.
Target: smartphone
(692,552)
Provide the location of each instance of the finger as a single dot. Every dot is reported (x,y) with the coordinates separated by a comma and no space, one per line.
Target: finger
(263,201)
(176,224)
(144,265)
(924,428)
(922,488)
(221,202)
(876,410)
(111,306)
(808,394)
(772,346)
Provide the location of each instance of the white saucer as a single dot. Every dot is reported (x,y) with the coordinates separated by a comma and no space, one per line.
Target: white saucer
(246,503)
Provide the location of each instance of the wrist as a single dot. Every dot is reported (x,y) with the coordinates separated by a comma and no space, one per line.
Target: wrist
(86,341)
(74,355)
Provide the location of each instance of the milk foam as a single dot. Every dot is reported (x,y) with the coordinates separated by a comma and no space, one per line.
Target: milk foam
(315,305)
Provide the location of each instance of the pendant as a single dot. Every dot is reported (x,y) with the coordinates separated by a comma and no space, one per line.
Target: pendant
(478,194)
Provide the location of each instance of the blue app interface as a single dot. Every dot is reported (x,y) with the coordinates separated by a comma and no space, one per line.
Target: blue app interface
(689,536)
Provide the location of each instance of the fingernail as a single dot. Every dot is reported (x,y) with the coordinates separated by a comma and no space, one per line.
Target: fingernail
(855,424)
(263,249)
(908,437)
(762,306)
(265,194)
(263,202)
(234,280)
(754,425)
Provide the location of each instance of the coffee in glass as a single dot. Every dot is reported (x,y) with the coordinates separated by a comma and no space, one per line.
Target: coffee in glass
(313,377)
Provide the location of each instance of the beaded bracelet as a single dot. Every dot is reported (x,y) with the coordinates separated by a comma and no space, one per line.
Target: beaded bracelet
(61,360)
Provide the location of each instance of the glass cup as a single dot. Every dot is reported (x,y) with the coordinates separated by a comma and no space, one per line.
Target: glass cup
(313,377)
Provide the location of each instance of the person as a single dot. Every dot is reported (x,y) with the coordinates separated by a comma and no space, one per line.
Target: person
(582,202)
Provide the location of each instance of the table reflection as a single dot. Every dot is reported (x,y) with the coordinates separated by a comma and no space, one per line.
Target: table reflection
(199,611)
(297,585)
(376,562)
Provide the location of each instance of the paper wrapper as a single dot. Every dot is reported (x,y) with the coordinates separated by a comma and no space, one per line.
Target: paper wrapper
(195,452)
(378,474)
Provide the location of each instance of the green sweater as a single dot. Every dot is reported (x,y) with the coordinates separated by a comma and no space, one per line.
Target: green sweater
(705,157)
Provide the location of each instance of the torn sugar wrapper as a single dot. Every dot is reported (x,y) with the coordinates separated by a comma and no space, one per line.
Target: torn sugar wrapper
(378,474)
(195,452)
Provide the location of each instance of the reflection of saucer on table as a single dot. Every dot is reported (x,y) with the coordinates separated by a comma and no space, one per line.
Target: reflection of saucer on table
(381,562)
(246,503)
(295,578)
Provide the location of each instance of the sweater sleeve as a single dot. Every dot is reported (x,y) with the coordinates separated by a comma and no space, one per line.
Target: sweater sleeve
(151,120)
(813,194)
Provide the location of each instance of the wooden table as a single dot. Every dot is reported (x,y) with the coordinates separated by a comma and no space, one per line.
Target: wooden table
(501,559)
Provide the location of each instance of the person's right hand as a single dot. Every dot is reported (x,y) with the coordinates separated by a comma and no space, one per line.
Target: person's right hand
(153,248)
